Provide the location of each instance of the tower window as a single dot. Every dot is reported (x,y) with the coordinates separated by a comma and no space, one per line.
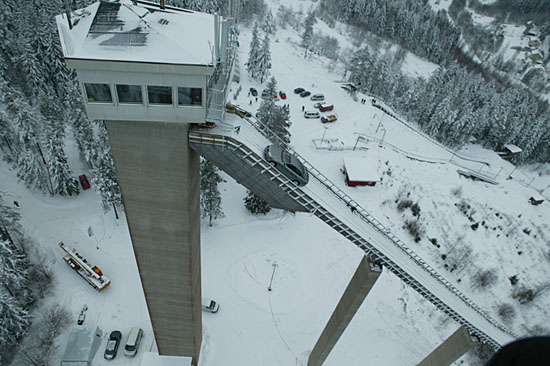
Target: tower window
(189,96)
(98,93)
(130,94)
(159,94)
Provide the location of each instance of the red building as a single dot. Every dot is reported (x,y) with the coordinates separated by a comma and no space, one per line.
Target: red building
(361,171)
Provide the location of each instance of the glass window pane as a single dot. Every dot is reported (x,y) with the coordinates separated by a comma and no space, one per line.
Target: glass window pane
(98,93)
(190,96)
(129,94)
(160,94)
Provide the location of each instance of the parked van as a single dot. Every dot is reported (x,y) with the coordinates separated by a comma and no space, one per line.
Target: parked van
(311,114)
(132,343)
(210,305)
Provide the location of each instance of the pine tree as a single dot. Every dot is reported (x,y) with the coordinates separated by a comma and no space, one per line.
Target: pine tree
(255,204)
(269,23)
(105,177)
(307,36)
(211,200)
(14,321)
(264,62)
(274,117)
(63,180)
(252,64)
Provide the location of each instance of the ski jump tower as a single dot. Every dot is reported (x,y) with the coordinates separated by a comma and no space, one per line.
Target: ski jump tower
(150,71)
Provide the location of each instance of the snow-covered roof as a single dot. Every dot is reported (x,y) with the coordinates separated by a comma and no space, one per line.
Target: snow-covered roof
(81,346)
(537,197)
(512,148)
(122,30)
(362,169)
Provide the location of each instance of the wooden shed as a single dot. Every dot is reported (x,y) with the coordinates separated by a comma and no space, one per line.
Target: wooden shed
(511,150)
(361,171)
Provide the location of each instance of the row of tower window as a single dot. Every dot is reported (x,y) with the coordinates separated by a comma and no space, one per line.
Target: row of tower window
(134,94)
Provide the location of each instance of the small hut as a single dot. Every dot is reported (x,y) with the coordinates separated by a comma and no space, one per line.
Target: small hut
(361,171)
(511,150)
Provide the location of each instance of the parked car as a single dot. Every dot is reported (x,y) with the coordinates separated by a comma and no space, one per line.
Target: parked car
(282,94)
(298,90)
(317,97)
(287,164)
(81,318)
(326,107)
(112,345)
(327,119)
(210,305)
(254,92)
(132,344)
(311,114)
(84,181)
(318,104)
(305,93)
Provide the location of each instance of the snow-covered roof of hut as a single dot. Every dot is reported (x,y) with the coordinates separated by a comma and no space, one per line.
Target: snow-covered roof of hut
(512,148)
(361,169)
(124,30)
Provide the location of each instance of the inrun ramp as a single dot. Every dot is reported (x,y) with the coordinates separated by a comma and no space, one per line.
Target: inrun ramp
(236,146)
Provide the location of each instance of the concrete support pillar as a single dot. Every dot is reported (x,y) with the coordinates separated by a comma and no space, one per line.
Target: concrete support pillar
(361,283)
(159,178)
(451,349)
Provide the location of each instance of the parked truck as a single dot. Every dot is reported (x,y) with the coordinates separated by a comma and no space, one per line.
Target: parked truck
(92,274)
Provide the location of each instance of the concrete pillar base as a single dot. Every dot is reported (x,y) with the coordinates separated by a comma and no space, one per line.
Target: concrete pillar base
(159,178)
(451,349)
(358,288)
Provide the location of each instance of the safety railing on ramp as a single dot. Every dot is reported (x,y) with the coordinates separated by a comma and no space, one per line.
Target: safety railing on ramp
(328,217)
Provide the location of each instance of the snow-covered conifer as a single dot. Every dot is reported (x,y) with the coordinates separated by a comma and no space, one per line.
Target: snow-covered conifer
(254,54)
(264,61)
(211,200)
(105,178)
(269,23)
(255,204)
(274,117)
(307,36)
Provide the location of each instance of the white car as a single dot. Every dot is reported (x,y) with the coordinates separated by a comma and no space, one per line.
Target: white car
(311,114)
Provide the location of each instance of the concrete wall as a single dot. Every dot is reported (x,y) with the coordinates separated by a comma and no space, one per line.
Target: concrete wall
(159,177)
(358,288)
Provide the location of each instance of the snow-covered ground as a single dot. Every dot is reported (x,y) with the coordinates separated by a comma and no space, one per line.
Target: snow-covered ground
(312,263)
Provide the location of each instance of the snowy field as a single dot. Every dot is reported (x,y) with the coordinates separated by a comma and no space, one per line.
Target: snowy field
(312,263)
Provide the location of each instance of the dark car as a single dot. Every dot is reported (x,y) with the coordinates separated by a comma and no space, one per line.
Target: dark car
(254,92)
(282,95)
(305,93)
(84,181)
(298,90)
(112,345)
(326,107)
(287,164)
